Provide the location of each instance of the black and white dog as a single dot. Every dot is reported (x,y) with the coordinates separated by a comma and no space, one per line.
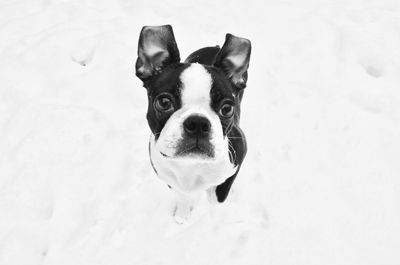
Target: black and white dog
(193,112)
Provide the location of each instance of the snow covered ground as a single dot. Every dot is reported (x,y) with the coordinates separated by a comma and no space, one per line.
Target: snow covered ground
(321,182)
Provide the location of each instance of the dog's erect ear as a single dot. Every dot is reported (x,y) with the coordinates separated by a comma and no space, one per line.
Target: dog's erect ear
(234,58)
(156,49)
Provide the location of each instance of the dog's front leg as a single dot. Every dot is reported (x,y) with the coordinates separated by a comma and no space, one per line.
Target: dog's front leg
(184,207)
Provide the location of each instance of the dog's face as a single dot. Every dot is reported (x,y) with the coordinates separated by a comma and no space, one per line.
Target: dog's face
(191,109)
(191,106)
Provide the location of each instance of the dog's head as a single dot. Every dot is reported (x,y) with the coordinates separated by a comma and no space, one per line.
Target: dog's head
(191,107)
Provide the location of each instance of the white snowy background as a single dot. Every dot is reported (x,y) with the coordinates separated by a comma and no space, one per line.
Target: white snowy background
(321,181)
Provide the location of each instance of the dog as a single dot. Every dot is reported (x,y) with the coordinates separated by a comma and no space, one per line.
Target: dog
(193,112)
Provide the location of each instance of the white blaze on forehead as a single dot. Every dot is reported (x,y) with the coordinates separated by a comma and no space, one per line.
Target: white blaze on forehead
(196,85)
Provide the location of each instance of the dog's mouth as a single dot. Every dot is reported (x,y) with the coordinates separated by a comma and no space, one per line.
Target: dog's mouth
(195,150)
(194,147)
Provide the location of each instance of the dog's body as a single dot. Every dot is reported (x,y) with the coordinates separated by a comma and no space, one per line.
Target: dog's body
(193,112)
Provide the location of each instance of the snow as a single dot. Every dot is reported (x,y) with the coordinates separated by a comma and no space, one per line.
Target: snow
(320,184)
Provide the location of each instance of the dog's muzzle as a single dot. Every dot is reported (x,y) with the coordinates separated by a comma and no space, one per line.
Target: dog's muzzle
(196,137)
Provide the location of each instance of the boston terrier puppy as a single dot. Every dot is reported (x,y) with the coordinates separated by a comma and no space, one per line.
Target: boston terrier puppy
(193,112)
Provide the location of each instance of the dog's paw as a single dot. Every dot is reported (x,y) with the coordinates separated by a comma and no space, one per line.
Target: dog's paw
(182,213)
(180,219)
(179,223)
(184,207)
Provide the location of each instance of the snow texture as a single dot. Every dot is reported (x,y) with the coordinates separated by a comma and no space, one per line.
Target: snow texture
(321,181)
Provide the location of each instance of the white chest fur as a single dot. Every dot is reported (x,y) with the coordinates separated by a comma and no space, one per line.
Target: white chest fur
(194,174)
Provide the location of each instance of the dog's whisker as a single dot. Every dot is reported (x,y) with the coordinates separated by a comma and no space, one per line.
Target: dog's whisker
(232,155)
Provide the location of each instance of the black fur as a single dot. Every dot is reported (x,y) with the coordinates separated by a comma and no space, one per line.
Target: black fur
(166,82)
(204,56)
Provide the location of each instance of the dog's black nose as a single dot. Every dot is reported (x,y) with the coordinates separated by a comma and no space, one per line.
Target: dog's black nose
(198,126)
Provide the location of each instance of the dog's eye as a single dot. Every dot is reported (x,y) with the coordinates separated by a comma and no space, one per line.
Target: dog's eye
(226,110)
(163,104)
